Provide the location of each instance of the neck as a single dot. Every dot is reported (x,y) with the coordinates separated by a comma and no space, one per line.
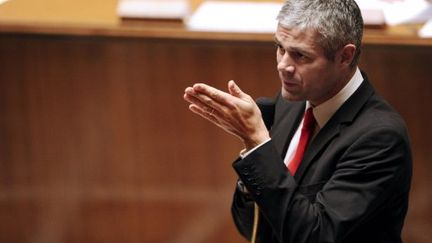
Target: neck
(343,79)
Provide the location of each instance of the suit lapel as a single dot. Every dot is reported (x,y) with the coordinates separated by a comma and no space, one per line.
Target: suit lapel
(287,118)
(343,116)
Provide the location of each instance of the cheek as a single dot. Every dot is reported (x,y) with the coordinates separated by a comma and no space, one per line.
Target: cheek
(314,72)
(278,57)
(312,78)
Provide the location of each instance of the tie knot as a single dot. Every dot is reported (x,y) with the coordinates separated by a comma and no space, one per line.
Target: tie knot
(309,119)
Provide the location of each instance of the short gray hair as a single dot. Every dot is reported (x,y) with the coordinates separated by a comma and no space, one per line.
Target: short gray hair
(338,22)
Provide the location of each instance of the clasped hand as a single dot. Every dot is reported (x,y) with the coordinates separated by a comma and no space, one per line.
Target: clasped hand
(235,112)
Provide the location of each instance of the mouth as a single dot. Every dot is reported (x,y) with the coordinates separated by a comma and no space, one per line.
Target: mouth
(291,86)
(290,83)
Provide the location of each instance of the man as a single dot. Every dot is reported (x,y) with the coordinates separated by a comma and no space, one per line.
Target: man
(342,173)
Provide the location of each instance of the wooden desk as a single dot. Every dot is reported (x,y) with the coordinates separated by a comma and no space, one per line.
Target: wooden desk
(98,18)
(97,145)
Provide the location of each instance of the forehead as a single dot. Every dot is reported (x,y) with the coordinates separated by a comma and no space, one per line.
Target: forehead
(297,38)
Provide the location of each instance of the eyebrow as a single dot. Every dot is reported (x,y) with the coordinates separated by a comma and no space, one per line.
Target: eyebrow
(295,49)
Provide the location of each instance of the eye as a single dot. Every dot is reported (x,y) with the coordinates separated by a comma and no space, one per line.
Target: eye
(299,56)
(280,49)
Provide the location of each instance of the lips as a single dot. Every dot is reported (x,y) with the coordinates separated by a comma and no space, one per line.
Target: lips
(291,86)
(290,82)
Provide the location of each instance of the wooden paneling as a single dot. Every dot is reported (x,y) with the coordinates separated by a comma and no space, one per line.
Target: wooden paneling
(97,144)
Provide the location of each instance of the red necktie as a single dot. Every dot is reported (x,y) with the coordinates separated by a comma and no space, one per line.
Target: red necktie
(305,136)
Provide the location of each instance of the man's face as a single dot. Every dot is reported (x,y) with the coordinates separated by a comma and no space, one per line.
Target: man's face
(304,70)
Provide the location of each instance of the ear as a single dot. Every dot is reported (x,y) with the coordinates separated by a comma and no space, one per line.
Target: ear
(347,54)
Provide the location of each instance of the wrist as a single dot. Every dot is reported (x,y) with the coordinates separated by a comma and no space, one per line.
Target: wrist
(244,153)
(256,140)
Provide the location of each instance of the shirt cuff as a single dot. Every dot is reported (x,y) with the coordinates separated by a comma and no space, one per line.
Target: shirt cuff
(244,153)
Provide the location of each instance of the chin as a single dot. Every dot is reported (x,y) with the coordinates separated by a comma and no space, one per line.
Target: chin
(291,97)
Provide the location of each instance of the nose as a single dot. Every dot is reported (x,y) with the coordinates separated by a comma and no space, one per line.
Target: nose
(285,63)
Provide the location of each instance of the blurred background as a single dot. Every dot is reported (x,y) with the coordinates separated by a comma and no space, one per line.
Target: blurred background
(97,144)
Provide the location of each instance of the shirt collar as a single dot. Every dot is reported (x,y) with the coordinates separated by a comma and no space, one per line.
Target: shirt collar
(325,111)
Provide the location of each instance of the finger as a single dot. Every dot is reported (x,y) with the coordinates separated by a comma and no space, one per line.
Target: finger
(196,98)
(190,96)
(212,118)
(203,108)
(207,111)
(235,90)
(203,102)
(208,114)
(212,94)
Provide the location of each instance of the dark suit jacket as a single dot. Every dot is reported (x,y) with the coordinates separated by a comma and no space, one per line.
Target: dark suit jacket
(352,185)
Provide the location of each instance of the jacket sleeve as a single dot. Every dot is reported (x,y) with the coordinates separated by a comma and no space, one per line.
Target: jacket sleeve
(243,213)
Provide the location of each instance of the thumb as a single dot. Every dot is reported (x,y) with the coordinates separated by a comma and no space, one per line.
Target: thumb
(235,90)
